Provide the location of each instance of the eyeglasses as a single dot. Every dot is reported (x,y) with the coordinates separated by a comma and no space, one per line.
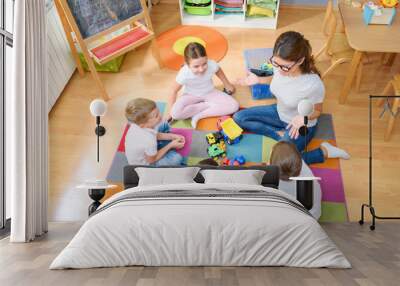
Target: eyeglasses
(282,67)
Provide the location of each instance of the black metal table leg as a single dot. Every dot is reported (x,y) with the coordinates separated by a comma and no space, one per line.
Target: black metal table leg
(304,193)
(96,195)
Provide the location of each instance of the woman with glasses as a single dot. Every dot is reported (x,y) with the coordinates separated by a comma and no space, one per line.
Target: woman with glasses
(295,78)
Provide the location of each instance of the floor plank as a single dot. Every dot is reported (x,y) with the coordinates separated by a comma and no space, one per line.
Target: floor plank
(374,255)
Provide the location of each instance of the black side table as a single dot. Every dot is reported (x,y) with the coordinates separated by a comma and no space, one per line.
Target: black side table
(305,190)
(96,191)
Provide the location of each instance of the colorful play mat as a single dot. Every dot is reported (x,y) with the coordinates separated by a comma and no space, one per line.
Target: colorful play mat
(256,149)
(173,42)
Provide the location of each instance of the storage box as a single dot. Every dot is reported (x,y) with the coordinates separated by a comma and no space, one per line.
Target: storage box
(379,16)
(112,66)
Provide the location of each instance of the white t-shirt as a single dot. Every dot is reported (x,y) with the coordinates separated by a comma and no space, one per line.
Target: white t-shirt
(138,142)
(289,91)
(289,187)
(197,84)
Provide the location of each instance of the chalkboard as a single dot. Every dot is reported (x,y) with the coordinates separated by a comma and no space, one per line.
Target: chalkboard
(95,16)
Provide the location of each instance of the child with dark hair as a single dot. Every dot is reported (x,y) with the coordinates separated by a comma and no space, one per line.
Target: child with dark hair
(200,99)
(208,162)
(288,159)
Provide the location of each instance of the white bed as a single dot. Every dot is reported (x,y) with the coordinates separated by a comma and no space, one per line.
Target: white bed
(224,225)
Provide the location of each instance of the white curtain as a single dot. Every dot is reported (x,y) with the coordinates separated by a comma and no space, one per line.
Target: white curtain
(27,123)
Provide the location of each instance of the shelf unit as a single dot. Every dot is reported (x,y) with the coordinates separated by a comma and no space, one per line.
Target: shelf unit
(239,20)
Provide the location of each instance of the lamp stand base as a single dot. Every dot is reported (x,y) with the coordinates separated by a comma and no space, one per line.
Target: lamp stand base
(100,130)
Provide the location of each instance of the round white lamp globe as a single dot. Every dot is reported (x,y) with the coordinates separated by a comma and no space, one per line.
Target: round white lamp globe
(98,107)
(305,107)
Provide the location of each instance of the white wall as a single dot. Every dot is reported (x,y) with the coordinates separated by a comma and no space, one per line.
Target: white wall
(61,64)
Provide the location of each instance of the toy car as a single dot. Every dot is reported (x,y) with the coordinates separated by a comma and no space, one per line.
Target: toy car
(220,120)
(211,138)
(215,151)
(231,131)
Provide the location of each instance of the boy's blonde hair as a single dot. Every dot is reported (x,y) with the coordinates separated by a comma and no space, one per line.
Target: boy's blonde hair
(137,110)
(286,156)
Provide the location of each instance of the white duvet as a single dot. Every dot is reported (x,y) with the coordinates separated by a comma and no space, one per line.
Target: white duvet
(200,231)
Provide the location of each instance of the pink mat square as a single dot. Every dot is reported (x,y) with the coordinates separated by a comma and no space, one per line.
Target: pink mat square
(331,184)
(187,133)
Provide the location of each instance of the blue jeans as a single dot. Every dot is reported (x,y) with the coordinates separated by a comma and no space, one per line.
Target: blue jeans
(265,120)
(172,157)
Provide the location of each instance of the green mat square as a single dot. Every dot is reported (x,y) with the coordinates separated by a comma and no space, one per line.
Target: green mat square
(182,124)
(333,212)
(194,160)
(267,145)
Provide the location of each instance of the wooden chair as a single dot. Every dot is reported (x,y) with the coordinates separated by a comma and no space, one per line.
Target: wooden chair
(336,47)
(395,84)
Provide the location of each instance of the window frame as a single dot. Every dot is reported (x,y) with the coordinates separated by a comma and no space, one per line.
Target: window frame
(6,39)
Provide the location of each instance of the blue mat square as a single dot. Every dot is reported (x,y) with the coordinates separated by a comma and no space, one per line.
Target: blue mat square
(250,147)
(325,129)
(115,174)
(161,106)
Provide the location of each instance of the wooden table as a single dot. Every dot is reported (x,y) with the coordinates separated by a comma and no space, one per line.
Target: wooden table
(366,38)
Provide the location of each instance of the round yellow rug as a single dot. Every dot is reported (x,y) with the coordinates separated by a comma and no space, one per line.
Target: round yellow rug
(172,43)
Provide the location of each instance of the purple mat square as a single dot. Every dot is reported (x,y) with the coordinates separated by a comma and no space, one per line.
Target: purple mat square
(187,133)
(331,184)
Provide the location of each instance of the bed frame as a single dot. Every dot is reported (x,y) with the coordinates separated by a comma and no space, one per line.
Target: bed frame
(270,179)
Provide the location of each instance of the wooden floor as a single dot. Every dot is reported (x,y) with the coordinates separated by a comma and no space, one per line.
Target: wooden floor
(73,143)
(375,258)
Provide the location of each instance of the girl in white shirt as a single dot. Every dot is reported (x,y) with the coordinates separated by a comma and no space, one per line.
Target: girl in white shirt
(200,98)
(295,78)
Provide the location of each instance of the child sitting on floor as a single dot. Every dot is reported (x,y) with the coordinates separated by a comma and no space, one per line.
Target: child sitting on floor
(141,142)
(288,159)
(200,99)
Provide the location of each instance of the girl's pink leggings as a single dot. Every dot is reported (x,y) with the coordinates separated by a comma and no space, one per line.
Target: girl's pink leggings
(215,103)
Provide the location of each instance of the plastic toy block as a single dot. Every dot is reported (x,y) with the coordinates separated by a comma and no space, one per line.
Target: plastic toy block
(267,67)
(231,129)
(240,159)
(226,161)
(214,151)
(237,161)
(261,91)
(211,139)
(220,120)
(222,145)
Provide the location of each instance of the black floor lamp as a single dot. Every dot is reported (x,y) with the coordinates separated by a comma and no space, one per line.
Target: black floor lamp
(370,202)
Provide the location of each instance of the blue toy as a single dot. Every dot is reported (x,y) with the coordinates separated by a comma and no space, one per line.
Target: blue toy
(261,91)
(236,161)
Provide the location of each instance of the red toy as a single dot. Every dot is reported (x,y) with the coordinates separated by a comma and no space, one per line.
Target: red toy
(237,161)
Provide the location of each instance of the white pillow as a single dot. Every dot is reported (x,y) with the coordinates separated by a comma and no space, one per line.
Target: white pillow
(248,177)
(166,176)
